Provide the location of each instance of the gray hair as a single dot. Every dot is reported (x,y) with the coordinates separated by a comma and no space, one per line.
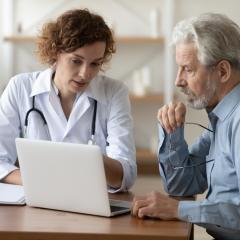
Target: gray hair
(215,35)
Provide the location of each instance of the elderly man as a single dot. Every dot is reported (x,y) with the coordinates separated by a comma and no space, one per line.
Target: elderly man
(208,59)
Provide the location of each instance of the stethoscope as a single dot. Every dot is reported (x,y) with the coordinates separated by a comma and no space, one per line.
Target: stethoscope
(91,141)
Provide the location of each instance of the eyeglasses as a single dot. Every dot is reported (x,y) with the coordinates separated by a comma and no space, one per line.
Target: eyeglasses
(200,125)
(171,148)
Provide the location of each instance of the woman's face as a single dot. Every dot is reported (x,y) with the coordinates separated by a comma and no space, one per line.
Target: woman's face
(75,70)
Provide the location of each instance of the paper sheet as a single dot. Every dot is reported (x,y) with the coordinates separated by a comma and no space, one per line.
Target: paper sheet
(11,194)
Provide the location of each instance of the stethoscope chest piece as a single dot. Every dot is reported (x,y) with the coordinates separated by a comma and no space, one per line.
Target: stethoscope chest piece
(92,140)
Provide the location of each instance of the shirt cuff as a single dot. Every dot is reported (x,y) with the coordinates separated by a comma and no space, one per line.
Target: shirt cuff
(189,211)
(176,138)
(5,169)
(129,176)
(161,134)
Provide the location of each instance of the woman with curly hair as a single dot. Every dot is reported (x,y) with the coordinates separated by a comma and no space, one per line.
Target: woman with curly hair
(74,102)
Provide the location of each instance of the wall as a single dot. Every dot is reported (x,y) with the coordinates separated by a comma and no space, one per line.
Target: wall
(189,8)
(1,44)
(127,18)
(2,73)
(119,14)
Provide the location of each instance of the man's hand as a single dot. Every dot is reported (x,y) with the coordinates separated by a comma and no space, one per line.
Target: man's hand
(155,205)
(172,116)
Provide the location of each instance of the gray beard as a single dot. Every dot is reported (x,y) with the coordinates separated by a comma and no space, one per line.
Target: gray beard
(203,101)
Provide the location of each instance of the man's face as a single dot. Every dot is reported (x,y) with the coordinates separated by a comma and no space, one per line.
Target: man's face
(196,81)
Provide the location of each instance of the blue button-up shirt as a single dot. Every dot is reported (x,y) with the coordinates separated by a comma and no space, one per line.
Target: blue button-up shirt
(212,163)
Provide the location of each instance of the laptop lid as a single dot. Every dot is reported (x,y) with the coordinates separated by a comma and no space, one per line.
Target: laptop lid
(64,176)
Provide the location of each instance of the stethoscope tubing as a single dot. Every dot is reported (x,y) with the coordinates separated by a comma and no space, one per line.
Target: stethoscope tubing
(34,109)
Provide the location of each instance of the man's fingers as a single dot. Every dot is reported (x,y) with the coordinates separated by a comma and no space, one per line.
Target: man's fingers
(172,116)
(149,211)
(165,119)
(159,116)
(180,113)
(137,205)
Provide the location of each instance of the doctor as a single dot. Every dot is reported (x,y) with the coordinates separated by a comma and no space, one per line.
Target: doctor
(70,101)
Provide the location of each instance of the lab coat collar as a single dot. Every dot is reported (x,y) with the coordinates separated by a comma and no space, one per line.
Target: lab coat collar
(42,83)
(95,90)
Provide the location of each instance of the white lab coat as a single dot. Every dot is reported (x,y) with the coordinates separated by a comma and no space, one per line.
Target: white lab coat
(114,127)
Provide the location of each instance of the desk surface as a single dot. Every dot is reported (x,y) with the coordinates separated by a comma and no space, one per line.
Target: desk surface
(23,222)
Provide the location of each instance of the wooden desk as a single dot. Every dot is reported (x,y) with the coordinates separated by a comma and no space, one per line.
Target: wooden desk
(23,222)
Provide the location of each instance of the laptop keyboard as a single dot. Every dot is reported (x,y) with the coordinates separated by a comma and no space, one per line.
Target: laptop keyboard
(117,208)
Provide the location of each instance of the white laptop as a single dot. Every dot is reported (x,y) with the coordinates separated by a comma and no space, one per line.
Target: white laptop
(66,176)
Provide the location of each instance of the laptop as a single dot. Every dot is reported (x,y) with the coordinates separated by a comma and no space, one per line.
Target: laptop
(66,176)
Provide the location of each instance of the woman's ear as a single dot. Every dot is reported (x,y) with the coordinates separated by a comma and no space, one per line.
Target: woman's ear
(54,66)
(224,70)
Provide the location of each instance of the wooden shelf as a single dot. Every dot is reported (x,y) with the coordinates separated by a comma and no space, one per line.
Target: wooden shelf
(20,39)
(147,98)
(147,162)
(140,40)
(131,40)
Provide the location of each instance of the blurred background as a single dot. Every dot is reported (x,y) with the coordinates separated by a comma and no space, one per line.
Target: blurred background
(144,58)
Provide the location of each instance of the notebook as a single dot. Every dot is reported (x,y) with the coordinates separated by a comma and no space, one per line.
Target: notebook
(11,194)
(66,176)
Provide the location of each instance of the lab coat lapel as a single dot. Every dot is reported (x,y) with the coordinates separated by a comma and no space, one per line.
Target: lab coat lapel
(48,102)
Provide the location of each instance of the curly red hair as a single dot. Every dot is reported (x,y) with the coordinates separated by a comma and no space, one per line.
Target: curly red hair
(72,30)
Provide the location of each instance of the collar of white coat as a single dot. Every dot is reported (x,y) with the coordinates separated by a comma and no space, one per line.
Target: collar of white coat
(43,84)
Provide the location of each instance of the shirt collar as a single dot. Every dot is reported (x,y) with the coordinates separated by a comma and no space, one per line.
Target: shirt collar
(43,84)
(226,106)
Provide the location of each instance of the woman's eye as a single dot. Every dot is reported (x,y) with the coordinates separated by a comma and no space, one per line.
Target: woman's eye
(76,61)
(96,64)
